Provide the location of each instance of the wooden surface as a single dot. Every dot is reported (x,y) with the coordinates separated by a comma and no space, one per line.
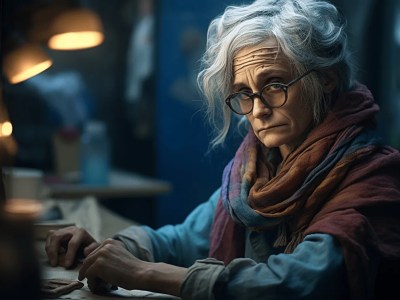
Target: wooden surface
(49,272)
(122,184)
(100,223)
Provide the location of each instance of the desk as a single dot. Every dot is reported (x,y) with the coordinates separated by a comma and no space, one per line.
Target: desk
(49,272)
(122,184)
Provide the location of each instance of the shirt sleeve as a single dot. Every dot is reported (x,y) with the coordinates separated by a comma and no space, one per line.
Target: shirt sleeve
(315,270)
(180,244)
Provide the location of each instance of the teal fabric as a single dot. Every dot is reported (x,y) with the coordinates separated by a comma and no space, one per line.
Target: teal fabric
(314,270)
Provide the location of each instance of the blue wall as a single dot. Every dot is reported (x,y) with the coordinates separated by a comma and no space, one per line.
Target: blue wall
(182,133)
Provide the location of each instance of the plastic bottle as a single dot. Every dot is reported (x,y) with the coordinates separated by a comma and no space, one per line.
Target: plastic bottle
(95,154)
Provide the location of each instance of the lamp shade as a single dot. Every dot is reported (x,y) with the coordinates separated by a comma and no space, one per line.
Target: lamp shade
(76,28)
(25,61)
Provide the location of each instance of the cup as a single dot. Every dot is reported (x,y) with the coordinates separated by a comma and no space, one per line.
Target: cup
(23,183)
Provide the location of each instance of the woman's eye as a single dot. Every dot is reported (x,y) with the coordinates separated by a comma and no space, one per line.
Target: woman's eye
(276,85)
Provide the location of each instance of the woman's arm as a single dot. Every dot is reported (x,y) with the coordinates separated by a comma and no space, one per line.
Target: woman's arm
(179,244)
(315,270)
(111,264)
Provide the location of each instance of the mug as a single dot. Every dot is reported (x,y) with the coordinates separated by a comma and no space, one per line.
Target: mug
(23,183)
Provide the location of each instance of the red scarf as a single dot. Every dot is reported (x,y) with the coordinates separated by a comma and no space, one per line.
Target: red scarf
(336,182)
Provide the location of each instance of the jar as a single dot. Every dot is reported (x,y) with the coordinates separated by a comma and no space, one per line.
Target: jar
(95,154)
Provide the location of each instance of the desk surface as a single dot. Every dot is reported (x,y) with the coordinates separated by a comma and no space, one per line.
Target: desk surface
(49,272)
(122,184)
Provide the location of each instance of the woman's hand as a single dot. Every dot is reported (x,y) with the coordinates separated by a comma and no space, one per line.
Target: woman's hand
(64,245)
(111,265)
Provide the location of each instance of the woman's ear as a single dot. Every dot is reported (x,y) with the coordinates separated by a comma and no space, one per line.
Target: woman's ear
(329,81)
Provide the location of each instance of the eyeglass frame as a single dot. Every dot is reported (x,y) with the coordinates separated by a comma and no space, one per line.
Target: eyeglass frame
(252,96)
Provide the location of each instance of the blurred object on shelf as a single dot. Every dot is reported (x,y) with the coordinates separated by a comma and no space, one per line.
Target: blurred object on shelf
(23,183)
(66,144)
(95,154)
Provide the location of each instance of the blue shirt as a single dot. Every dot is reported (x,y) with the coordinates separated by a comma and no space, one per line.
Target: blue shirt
(315,270)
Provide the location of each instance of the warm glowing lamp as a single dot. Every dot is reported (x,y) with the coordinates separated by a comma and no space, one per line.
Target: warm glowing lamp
(25,61)
(6,129)
(76,28)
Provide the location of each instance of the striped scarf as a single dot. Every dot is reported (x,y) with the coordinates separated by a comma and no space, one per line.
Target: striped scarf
(311,178)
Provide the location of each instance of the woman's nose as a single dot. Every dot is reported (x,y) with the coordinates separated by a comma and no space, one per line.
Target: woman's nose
(259,108)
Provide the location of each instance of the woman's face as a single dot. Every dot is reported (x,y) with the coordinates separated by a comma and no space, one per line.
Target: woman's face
(286,126)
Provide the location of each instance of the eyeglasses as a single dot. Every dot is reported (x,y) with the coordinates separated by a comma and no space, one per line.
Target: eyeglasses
(272,95)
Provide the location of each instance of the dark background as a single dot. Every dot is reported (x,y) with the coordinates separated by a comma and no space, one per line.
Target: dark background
(164,133)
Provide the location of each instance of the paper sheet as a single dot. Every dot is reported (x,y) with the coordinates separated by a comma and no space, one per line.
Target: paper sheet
(85,213)
(49,272)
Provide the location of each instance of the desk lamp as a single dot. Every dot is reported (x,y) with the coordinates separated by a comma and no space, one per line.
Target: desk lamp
(25,61)
(76,28)
(58,25)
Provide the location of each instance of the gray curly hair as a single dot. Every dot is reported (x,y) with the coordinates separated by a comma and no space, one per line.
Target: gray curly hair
(310,33)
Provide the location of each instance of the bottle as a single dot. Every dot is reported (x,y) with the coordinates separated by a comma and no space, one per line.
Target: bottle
(95,154)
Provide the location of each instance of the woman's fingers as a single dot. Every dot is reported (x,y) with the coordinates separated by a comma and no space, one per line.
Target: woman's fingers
(71,240)
(89,249)
(88,262)
(94,256)
(54,243)
(74,245)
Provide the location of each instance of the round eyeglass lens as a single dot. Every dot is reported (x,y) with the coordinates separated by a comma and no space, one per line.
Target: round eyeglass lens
(274,94)
(241,103)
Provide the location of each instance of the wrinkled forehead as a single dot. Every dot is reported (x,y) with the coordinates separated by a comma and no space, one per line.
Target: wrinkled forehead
(266,52)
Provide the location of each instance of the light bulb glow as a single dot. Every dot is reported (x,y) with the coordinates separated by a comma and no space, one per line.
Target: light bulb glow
(76,40)
(6,129)
(30,72)
(25,61)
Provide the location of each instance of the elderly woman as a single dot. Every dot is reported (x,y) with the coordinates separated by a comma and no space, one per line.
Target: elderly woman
(308,208)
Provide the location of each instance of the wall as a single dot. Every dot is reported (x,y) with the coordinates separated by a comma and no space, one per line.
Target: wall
(182,133)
